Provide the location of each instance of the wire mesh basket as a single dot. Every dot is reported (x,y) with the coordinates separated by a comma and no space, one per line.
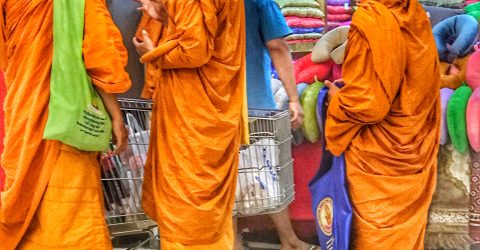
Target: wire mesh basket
(265,171)
(122,175)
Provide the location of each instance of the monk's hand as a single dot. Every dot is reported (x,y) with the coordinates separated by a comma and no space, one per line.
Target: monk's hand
(156,9)
(332,88)
(296,112)
(120,135)
(145,46)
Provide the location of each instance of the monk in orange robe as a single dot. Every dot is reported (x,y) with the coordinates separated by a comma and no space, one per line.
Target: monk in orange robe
(53,195)
(386,121)
(198,119)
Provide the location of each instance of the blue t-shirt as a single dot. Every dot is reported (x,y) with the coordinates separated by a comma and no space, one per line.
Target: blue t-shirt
(264,22)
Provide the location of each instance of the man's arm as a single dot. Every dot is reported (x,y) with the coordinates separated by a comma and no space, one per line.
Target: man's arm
(282,60)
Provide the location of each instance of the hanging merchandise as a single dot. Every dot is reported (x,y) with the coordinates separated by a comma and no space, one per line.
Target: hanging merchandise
(331,46)
(473,120)
(76,115)
(455,37)
(309,104)
(445,95)
(456,118)
(331,205)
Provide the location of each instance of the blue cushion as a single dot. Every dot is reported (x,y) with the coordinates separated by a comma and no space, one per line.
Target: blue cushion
(460,32)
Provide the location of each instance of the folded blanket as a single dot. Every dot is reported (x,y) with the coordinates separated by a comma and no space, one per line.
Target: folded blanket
(337,2)
(303,36)
(339,17)
(339,10)
(304,22)
(297,3)
(306,30)
(303,12)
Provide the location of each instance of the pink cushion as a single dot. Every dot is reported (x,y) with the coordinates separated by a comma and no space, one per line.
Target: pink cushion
(304,22)
(473,70)
(473,120)
(337,72)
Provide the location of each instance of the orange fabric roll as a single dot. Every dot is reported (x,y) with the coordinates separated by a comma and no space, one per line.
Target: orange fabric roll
(386,120)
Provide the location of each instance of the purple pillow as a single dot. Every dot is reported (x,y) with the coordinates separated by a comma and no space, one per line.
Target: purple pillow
(445,95)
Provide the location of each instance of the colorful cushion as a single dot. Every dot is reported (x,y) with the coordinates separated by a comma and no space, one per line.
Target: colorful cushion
(473,120)
(304,22)
(303,12)
(331,40)
(472,71)
(455,37)
(445,95)
(456,118)
(303,63)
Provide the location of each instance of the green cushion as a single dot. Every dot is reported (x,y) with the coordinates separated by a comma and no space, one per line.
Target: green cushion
(309,104)
(475,14)
(298,3)
(457,118)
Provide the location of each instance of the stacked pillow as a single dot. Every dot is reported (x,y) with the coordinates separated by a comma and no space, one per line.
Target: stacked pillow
(305,18)
(339,13)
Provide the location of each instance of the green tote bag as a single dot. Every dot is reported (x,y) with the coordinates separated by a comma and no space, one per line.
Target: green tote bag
(77,115)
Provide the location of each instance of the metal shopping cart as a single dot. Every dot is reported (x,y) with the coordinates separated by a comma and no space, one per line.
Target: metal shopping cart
(265,174)
(122,175)
(265,180)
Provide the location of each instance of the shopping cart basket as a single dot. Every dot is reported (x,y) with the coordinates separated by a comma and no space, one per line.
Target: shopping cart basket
(122,175)
(265,172)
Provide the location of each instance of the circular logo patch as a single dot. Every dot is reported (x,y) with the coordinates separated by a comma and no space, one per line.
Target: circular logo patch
(325,216)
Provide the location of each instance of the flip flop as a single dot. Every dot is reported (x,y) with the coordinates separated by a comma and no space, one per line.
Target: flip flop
(313,247)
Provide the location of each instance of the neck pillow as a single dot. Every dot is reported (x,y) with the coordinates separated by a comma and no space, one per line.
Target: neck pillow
(453,75)
(456,118)
(303,63)
(455,37)
(473,120)
(331,40)
(445,95)
(309,105)
(472,73)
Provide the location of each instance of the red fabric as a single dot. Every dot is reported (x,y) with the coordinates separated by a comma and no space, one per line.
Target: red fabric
(321,71)
(2,97)
(304,22)
(303,63)
(337,71)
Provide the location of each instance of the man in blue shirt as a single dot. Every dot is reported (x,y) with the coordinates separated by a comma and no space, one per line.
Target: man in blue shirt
(266,29)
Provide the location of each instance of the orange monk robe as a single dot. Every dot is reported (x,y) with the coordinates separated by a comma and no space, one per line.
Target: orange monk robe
(386,121)
(52,197)
(197,123)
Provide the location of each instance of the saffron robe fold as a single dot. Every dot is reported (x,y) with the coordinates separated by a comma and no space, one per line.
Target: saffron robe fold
(198,121)
(29,161)
(386,121)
